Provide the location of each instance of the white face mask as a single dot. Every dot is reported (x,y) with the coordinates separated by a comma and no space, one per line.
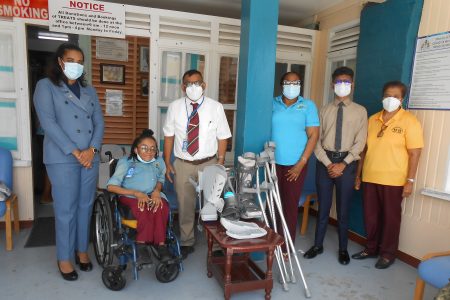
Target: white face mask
(342,89)
(391,104)
(144,161)
(194,92)
(73,70)
(291,91)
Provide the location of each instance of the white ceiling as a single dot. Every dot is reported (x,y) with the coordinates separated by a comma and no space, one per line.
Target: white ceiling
(291,11)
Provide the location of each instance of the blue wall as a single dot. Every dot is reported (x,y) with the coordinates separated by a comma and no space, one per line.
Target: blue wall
(387,40)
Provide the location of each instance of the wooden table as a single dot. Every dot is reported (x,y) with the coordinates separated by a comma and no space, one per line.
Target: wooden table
(239,273)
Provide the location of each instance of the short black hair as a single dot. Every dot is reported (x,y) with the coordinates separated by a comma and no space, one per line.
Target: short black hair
(146,134)
(342,71)
(56,74)
(192,72)
(289,73)
(396,84)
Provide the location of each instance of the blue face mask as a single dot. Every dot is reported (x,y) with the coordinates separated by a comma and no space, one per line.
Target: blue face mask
(73,70)
(291,91)
(143,161)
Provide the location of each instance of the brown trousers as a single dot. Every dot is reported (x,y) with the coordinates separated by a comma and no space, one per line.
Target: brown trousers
(187,197)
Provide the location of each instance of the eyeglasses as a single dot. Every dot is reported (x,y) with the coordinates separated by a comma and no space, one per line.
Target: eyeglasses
(295,82)
(195,83)
(145,149)
(342,81)
(381,132)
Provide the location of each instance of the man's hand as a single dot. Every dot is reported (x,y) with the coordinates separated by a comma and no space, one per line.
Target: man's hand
(294,172)
(407,189)
(336,170)
(169,170)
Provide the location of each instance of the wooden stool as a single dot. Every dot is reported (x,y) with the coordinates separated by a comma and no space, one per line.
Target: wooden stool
(306,205)
(11,201)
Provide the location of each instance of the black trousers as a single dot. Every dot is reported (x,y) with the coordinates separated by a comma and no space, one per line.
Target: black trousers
(344,190)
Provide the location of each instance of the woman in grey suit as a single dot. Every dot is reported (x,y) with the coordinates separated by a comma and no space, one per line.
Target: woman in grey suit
(71,116)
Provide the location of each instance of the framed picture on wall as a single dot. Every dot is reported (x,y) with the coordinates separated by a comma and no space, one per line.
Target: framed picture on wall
(144,87)
(112,73)
(144,56)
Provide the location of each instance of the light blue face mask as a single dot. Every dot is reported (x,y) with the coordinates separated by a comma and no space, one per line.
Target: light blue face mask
(291,91)
(73,70)
(144,161)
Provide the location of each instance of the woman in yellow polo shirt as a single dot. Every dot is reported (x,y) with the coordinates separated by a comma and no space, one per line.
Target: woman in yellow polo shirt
(389,165)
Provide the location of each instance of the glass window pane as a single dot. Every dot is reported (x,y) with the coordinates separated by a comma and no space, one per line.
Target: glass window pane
(196,62)
(230,118)
(300,69)
(6,63)
(228,79)
(280,69)
(171,76)
(351,63)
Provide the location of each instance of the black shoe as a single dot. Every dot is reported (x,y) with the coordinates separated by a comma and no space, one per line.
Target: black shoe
(85,267)
(71,276)
(363,255)
(313,251)
(343,257)
(383,263)
(186,250)
(163,253)
(144,254)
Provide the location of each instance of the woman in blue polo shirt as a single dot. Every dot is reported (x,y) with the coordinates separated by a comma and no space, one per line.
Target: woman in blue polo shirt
(295,130)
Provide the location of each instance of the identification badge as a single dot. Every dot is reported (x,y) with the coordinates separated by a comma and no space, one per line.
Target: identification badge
(185,146)
(130,172)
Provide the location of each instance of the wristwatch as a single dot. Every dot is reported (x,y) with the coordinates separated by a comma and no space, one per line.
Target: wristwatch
(412,180)
(95,150)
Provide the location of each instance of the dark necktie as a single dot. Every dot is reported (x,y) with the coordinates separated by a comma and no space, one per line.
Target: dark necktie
(339,118)
(193,130)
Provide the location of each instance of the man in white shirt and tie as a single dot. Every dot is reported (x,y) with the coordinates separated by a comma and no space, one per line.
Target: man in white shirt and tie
(197,130)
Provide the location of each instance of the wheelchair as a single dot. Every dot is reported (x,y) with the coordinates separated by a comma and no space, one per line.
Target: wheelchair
(113,231)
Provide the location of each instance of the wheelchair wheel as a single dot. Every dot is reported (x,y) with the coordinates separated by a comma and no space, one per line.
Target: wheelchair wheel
(113,279)
(166,272)
(103,230)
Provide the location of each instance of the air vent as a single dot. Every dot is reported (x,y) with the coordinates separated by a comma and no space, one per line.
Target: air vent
(344,39)
(295,39)
(184,29)
(138,20)
(229,34)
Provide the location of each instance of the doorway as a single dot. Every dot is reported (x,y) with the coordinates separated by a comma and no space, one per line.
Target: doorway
(41,44)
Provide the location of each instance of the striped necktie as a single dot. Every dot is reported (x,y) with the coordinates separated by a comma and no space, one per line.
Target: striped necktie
(193,130)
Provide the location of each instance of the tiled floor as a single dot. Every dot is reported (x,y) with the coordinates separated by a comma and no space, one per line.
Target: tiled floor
(31,273)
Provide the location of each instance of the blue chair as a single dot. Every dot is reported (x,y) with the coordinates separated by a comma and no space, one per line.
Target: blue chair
(6,168)
(435,270)
(309,194)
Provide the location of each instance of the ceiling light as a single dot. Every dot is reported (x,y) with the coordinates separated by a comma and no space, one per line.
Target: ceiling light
(53,36)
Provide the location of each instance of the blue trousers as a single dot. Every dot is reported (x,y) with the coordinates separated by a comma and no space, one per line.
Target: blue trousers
(344,190)
(73,191)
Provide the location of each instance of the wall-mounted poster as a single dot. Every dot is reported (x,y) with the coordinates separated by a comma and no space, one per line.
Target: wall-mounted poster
(112,73)
(114,102)
(111,49)
(144,56)
(430,88)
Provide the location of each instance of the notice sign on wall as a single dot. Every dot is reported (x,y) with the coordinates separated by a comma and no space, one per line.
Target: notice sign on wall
(430,88)
(87,17)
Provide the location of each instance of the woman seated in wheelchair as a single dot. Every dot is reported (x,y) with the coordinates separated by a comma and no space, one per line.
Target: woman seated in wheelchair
(138,180)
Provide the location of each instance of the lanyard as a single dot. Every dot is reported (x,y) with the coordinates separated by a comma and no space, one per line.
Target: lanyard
(189,117)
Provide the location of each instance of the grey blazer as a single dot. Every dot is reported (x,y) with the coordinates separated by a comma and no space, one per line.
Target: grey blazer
(69,123)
